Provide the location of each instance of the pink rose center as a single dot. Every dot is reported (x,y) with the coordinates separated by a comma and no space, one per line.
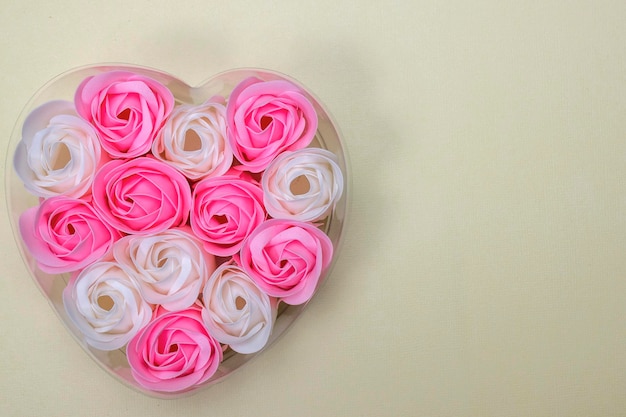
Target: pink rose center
(265,122)
(124,114)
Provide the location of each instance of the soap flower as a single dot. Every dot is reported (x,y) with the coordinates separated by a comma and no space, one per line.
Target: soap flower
(286,259)
(302,185)
(65,234)
(174,352)
(225,210)
(141,195)
(266,118)
(105,303)
(237,312)
(194,140)
(59,152)
(171,267)
(126,109)
(182,224)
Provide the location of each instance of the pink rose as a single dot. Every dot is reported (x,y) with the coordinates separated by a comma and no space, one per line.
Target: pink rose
(174,351)
(65,234)
(126,109)
(225,211)
(286,258)
(266,118)
(141,195)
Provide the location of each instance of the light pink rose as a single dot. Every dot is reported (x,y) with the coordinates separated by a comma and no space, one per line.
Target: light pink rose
(266,118)
(174,351)
(193,140)
(302,185)
(59,153)
(64,234)
(126,109)
(141,195)
(170,267)
(225,211)
(237,312)
(286,258)
(105,304)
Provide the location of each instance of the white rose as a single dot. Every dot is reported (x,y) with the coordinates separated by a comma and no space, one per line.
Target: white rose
(237,312)
(170,267)
(302,185)
(59,153)
(193,140)
(105,303)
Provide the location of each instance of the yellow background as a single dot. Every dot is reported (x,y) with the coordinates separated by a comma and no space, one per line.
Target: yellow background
(483,271)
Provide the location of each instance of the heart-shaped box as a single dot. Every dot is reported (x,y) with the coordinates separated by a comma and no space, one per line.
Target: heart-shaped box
(63,87)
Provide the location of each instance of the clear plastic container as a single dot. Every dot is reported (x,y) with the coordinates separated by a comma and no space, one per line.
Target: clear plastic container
(18,200)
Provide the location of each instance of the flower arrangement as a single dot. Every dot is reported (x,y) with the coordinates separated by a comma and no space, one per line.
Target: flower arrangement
(182,227)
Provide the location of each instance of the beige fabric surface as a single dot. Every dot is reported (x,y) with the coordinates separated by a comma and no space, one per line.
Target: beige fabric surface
(483,271)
